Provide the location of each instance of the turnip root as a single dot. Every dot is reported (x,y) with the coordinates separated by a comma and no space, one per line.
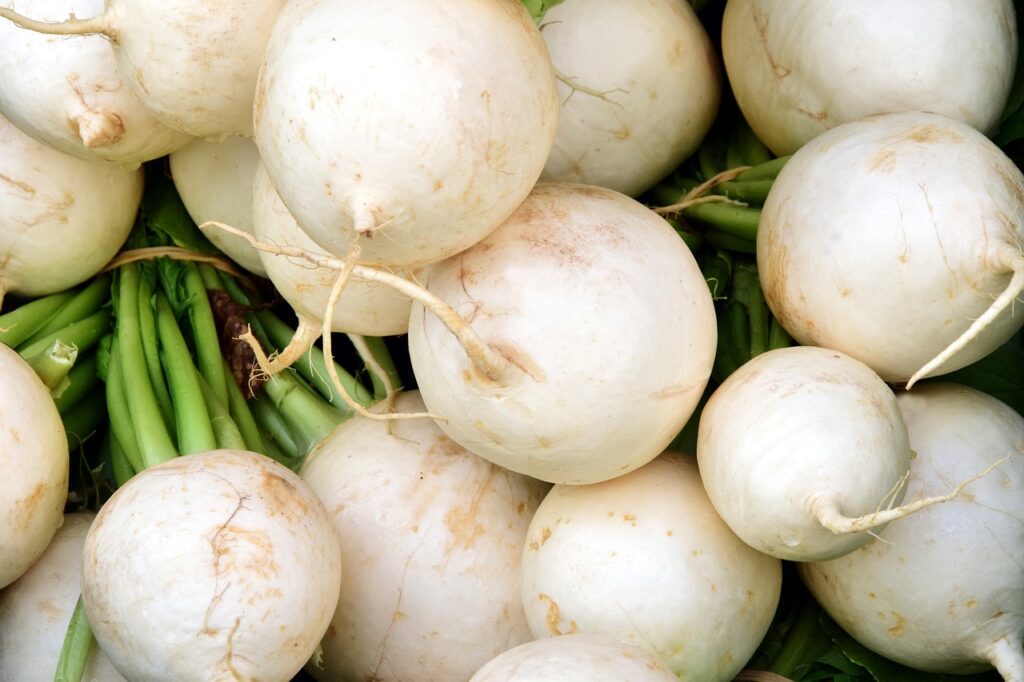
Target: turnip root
(600,329)
(645,558)
(34,459)
(431,535)
(192,63)
(363,308)
(36,609)
(943,590)
(898,240)
(800,448)
(61,218)
(639,85)
(216,565)
(215,183)
(70,95)
(575,658)
(800,67)
(429,137)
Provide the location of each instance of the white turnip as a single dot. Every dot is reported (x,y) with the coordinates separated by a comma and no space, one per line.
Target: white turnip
(800,67)
(216,565)
(897,240)
(639,86)
(214,180)
(36,609)
(645,558)
(435,129)
(70,95)
(943,590)
(192,63)
(61,218)
(599,332)
(575,658)
(431,536)
(34,459)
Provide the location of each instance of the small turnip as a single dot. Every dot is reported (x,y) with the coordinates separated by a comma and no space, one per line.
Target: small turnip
(61,218)
(34,459)
(431,536)
(943,590)
(433,132)
(36,609)
(898,240)
(216,565)
(645,558)
(575,658)
(70,94)
(639,87)
(801,67)
(602,331)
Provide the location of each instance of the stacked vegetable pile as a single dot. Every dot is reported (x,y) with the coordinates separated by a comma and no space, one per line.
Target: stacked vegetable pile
(511,340)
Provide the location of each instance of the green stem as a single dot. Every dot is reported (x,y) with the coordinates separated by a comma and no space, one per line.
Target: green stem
(729,242)
(798,639)
(747,290)
(86,302)
(204,333)
(53,366)
(82,379)
(751,192)
(275,427)
(22,322)
(778,337)
(751,151)
(739,221)
(83,334)
(242,415)
(154,439)
(74,655)
(766,170)
(119,464)
(83,421)
(309,418)
(225,431)
(195,433)
(380,353)
(121,425)
(717,271)
(151,352)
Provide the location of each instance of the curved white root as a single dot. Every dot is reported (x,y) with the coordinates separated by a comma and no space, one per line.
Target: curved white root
(493,365)
(70,27)
(366,355)
(305,336)
(1003,301)
(1008,659)
(830,517)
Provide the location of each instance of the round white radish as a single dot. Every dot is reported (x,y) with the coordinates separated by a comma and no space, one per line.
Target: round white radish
(61,218)
(435,129)
(431,536)
(192,63)
(943,590)
(894,238)
(215,180)
(36,609)
(800,67)
(646,558)
(217,565)
(34,459)
(69,93)
(603,323)
(798,438)
(363,307)
(639,86)
(575,658)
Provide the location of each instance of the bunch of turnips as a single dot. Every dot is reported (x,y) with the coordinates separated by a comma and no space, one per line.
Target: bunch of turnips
(511,340)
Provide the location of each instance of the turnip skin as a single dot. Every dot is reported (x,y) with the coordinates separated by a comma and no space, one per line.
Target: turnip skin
(943,590)
(34,459)
(61,218)
(650,87)
(36,609)
(69,94)
(431,137)
(646,558)
(607,325)
(363,308)
(215,181)
(796,431)
(215,565)
(431,535)
(801,67)
(921,231)
(575,658)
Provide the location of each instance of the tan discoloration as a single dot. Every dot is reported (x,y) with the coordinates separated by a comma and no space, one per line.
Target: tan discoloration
(545,535)
(900,627)
(464,524)
(18,185)
(553,618)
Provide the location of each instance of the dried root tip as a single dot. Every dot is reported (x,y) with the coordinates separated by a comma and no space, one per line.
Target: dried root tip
(305,336)
(1008,659)
(1003,301)
(830,517)
(696,195)
(71,27)
(97,128)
